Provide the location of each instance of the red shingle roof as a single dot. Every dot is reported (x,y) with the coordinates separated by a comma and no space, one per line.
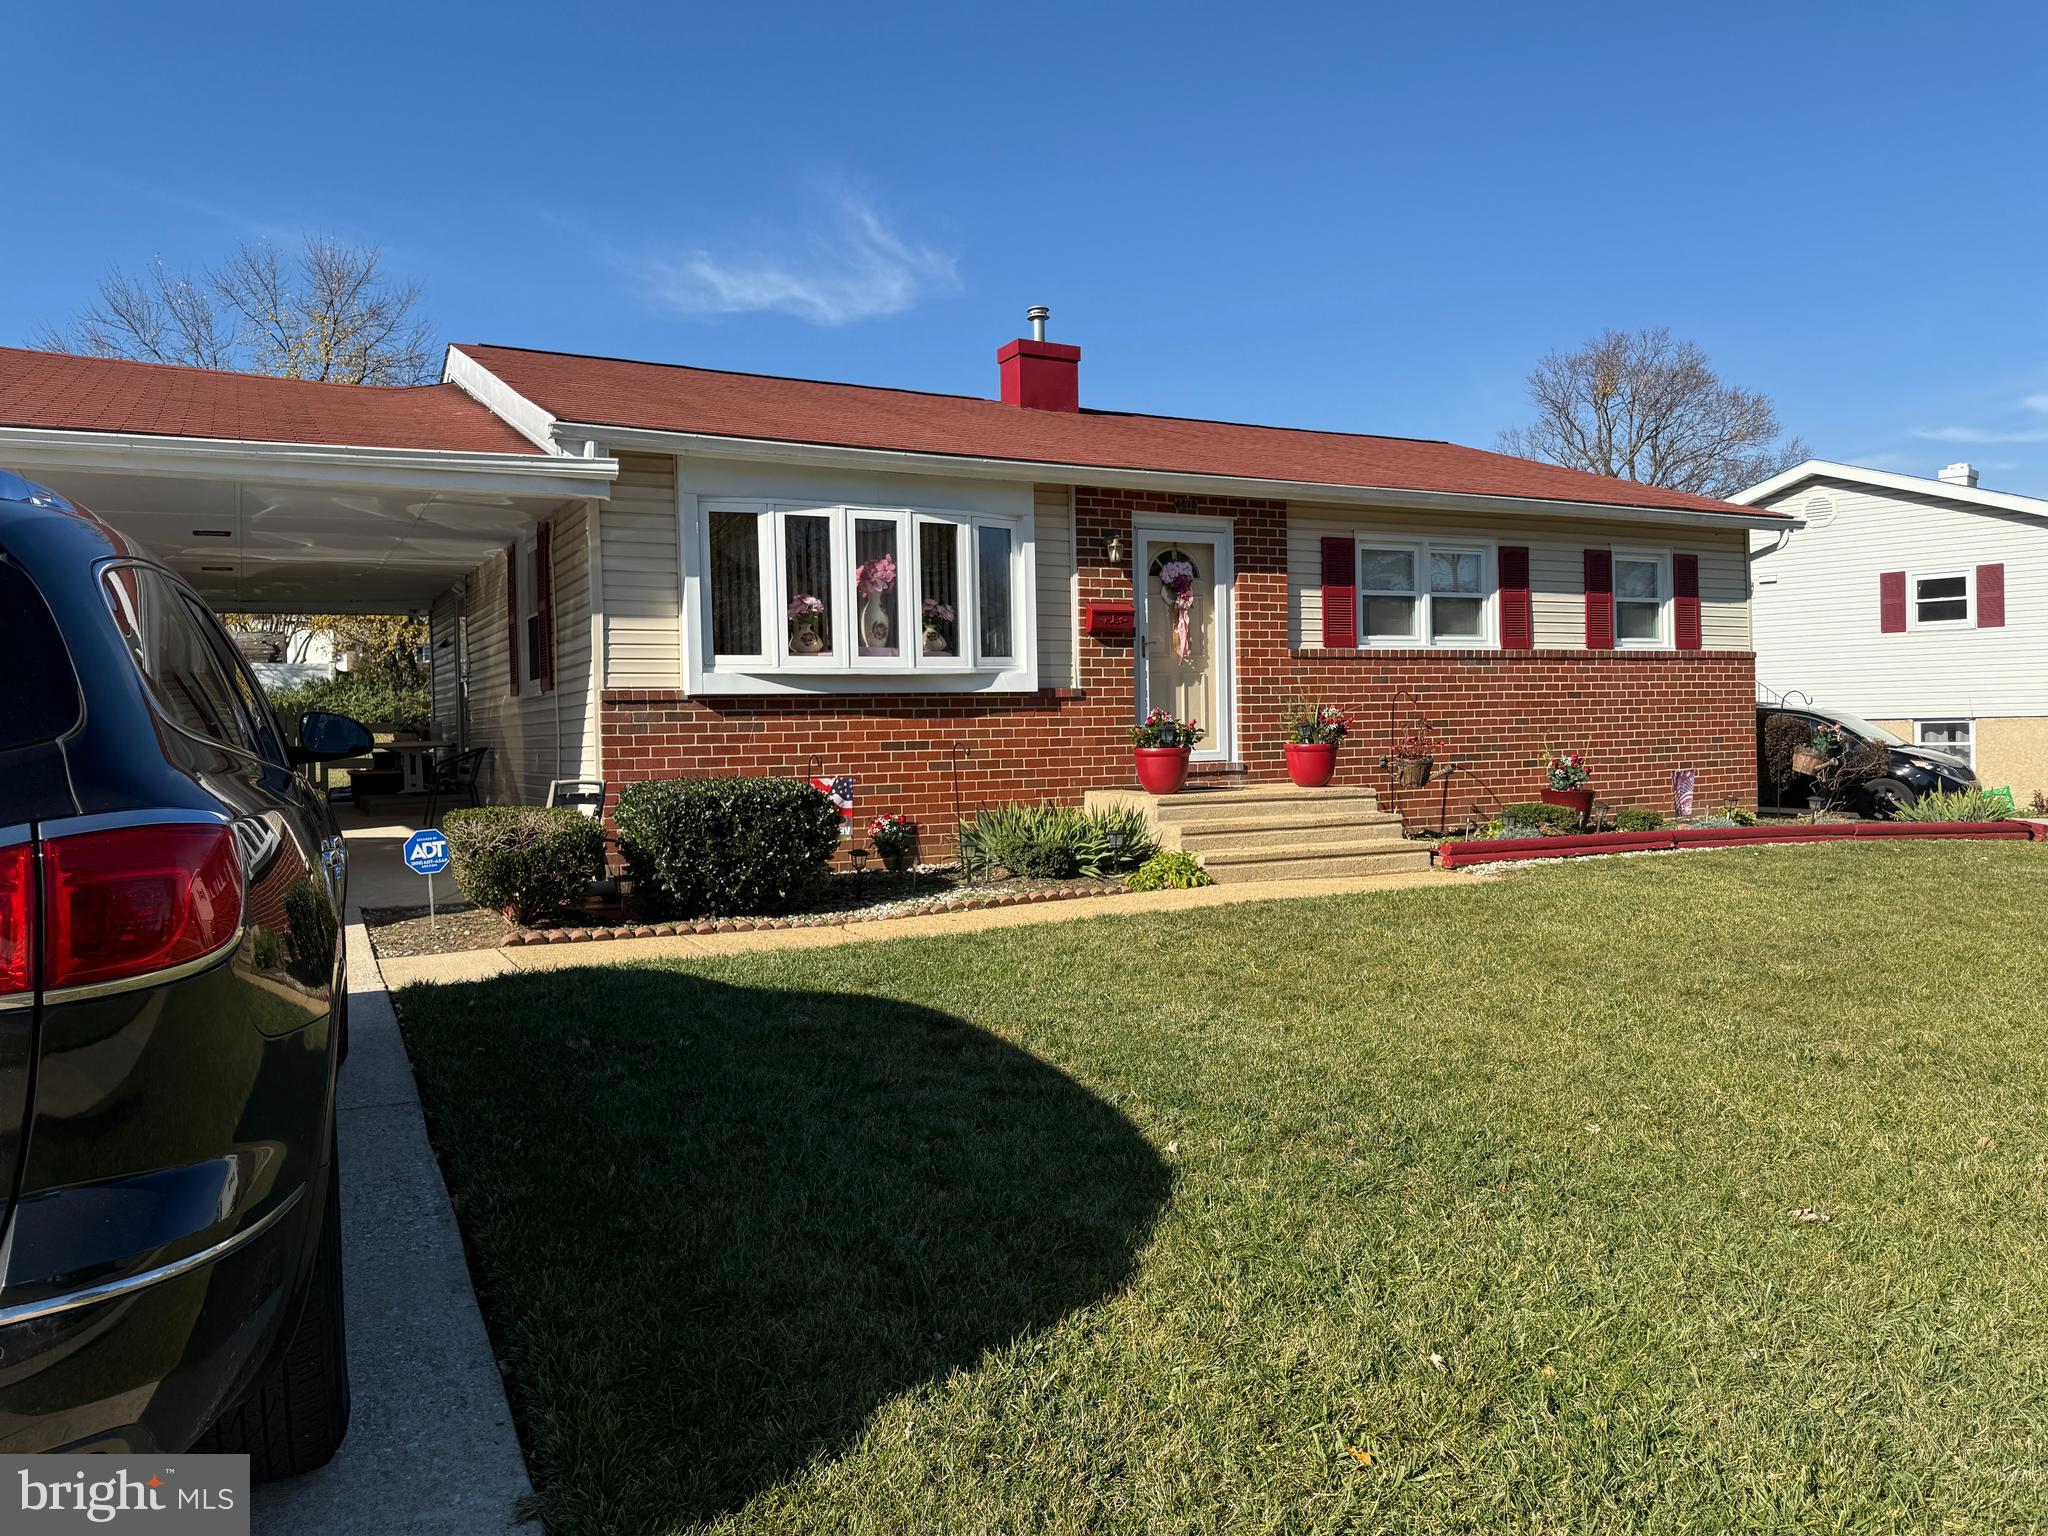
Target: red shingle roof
(602,391)
(98,394)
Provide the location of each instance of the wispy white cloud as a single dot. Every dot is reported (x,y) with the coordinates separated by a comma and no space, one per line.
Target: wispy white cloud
(2037,403)
(1981,434)
(858,269)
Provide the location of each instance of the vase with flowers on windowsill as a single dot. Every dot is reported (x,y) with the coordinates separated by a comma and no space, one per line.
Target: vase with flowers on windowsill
(938,627)
(806,624)
(873,580)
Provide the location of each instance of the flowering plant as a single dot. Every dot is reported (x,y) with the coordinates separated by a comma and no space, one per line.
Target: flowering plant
(1316,725)
(934,609)
(1418,746)
(1163,730)
(1827,739)
(876,576)
(804,606)
(892,834)
(1567,771)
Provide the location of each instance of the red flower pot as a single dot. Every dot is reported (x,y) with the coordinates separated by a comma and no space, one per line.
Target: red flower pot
(1161,770)
(1580,800)
(1310,764)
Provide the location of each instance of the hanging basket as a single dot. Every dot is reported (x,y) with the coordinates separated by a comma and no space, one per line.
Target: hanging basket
(1807,761)
(1413,772)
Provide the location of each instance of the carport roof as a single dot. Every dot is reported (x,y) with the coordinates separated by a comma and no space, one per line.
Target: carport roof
(58,392)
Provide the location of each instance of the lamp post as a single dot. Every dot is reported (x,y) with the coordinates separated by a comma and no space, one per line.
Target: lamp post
(860,866)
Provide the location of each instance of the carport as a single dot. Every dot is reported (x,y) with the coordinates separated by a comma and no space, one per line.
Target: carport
(290,496)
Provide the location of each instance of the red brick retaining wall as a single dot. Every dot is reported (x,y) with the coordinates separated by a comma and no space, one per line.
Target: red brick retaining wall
(1636,715)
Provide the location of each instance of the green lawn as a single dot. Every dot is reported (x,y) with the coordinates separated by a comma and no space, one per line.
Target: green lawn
(1456,1209)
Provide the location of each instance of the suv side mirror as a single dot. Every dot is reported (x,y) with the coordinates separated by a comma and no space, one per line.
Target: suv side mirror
(324,737)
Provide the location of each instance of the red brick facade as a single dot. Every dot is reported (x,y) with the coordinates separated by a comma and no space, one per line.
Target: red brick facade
(1636,715)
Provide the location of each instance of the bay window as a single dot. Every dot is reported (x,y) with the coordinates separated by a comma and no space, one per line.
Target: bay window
(1426,592)
(1642,590)
(817,590)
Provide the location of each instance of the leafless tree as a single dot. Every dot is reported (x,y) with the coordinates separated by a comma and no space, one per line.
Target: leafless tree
(1640,406)
(327,313)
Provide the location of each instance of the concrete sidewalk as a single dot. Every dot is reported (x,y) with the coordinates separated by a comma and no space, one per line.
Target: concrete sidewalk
(430,1447)
(479,964)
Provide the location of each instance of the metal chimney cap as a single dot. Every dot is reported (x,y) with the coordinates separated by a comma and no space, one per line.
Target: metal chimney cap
(1038,314)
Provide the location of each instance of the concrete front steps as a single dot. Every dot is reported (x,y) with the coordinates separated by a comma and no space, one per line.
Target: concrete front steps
(1277,831)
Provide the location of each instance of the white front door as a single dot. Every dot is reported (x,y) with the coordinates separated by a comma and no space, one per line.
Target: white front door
(1184,581)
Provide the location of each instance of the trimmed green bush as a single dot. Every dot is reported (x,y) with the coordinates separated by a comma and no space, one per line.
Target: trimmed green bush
(523,860)
(1637,818)
(1172,870)
(362,696)
(1538,813)
(726,847)
(1055,842)
(1957,805)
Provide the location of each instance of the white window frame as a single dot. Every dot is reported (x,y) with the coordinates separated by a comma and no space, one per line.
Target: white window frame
(966,666)
(1965,574)
(1661,558)
(1420,549)
(1968,744)
(529,610)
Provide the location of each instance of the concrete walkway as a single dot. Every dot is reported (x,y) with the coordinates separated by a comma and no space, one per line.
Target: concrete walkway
(479,964)
(430,1446)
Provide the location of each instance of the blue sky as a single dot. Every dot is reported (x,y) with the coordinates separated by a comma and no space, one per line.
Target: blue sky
(1360,218)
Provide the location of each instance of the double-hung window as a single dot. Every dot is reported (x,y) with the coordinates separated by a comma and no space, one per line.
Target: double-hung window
(1642,599)
(795,588)
(1941,597)
(1424,592)
(1954,737)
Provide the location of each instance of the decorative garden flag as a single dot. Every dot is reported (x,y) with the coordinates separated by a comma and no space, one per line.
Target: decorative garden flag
(841,791)
(1681,791)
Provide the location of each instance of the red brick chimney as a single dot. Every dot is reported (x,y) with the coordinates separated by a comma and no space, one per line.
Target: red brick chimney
(1039,374)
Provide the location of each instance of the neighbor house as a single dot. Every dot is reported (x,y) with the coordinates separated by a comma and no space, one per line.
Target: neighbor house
(1918,604)
(639,569)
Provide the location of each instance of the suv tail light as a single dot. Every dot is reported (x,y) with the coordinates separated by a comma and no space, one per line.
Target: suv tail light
(123,903)
(17,918)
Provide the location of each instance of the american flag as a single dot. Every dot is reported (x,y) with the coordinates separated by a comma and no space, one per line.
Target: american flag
(841,791)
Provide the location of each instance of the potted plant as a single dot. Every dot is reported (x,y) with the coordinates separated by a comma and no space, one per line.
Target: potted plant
(1568,778)
(1313,733)
(1813,756)
(1160,750)
(806,617)
(1413,759)
(938,625)
(895,839)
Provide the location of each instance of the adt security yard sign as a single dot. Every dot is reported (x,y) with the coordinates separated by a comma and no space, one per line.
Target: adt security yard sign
(426,853)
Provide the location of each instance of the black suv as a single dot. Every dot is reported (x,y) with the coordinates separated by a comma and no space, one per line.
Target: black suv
(1910,771)
(172,1016)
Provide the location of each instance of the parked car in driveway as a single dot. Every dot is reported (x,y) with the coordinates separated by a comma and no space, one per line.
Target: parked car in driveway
(172,1017)
(1910,771)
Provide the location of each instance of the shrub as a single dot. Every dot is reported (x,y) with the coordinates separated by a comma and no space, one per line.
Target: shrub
(362,696)
(1741,815)
(1783,735)
(1172,870)
(1053,842)
(726,846)
(1956,805)
(1508,827)
(525,860)
(1538,813)
(1637,818)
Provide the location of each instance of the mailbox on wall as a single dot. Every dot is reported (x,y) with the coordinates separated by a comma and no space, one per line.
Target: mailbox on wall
(1109,621)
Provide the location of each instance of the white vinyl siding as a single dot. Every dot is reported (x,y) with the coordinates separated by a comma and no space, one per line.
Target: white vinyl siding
(1058,617)
(1557,566)
(1817,620)
(642,584)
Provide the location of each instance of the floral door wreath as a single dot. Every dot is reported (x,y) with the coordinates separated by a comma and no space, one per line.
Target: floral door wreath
(1176,573)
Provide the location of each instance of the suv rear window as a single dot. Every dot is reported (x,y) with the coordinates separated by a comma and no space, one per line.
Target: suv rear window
(175,654)
(42,690)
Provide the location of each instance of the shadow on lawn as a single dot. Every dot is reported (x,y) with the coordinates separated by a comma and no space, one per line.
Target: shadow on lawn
(733,1222)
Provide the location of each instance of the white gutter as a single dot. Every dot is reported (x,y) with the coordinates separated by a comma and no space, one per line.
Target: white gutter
(510,474)
(903,462)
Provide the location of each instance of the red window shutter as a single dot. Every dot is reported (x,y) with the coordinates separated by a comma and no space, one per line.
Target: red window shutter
(1340,593)
(1517,614)
(512,618)
(1891,602)
(1599,600)
(1685,600)
(544,594)
(1991,597)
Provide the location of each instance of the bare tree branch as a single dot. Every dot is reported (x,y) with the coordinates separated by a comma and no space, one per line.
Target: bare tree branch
(328,314)
(1645,408)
